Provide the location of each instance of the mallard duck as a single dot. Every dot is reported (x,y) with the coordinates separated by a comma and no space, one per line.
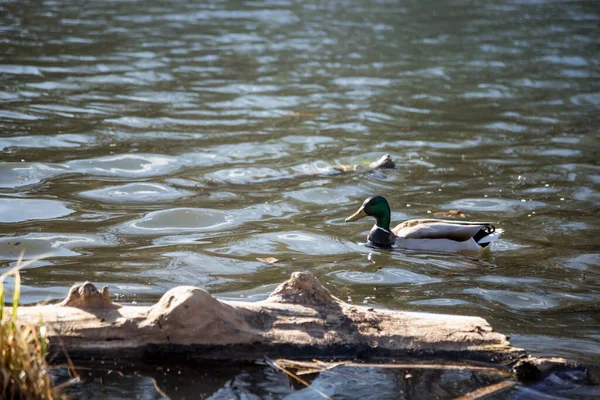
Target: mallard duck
(424,234)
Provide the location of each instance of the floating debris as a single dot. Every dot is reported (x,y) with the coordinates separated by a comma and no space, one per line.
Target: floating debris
(268,260)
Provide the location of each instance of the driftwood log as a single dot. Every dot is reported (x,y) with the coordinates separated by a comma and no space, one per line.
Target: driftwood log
(300,319)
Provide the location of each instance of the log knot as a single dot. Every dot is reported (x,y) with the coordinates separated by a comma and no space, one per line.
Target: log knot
(88,296)
(191,314)
(303,289)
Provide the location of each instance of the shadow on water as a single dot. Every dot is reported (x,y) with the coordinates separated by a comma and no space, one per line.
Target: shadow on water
(260,381)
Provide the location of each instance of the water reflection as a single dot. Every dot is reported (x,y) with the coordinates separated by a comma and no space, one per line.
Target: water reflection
(20,210)
(179,220)
(142,165)
(50,244)
(386,276)
(238,381)
(136,192)
(15,175)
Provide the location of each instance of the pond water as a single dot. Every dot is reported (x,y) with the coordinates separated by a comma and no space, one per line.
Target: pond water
(149,145)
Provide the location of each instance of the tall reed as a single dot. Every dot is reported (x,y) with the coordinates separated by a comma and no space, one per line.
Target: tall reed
(23,350)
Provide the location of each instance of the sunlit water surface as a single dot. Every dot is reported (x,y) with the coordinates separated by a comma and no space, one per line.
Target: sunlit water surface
(149,145)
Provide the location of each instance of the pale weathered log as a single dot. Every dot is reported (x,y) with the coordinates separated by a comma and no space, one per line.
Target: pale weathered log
(300,319)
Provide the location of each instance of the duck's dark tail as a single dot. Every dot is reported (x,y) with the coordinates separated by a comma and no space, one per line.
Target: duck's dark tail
(487,235)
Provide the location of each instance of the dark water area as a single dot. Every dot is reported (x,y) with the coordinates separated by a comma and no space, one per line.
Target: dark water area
(255,382)
(149,145)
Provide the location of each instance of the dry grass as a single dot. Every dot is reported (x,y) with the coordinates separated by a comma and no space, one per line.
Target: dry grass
(23,350)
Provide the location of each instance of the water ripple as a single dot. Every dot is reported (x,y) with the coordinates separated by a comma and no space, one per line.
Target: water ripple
(493,204)
(20,210)
(13,175)
(142,165)
(515,300)
(50,244)
(136,192)
(179,220)
(385,276)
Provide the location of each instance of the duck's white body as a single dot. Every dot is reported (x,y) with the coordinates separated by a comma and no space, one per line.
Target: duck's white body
(443,235)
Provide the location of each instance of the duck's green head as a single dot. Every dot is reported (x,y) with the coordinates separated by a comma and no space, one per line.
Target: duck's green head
(375,206)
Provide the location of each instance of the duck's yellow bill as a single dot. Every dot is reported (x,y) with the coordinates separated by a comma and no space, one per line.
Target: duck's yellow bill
(357,215)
